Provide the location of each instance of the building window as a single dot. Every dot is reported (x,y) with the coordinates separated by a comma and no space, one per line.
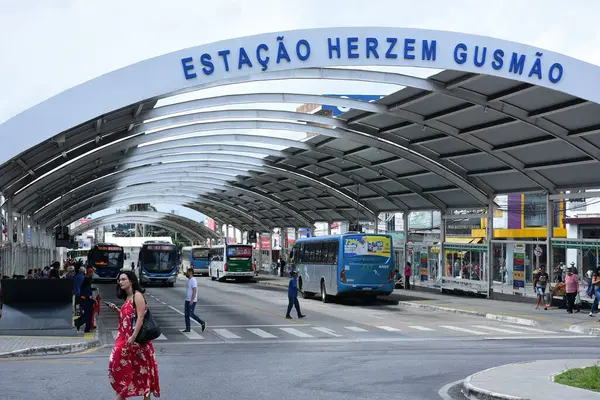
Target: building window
(535,210)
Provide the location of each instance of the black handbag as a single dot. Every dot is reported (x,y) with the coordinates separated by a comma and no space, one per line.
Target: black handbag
(150,329)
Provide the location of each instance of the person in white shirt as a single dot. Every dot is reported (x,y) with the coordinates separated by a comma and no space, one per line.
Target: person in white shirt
(190,301)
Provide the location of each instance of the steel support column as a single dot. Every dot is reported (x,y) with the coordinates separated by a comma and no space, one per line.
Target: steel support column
(490,249)
(442,255)
(549,234)
(406,231)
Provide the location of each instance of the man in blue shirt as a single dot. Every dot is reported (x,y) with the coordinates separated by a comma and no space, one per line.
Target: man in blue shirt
(293,296)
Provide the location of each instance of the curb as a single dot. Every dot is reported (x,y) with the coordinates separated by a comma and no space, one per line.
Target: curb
(52,350)
(459,311)
(494,317)
(584,330)
(473,392)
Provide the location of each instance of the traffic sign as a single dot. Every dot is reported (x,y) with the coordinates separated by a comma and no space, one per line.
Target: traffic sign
(410,245)
(538,251)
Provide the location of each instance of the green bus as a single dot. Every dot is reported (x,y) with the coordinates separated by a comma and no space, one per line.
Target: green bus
(231,261)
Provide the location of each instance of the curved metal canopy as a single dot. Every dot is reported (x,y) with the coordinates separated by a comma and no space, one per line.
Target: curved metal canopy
(187,227)
(453,140)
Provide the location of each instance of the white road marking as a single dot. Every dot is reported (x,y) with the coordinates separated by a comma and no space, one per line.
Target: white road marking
(491,328)
(193,335)
(327,331)
(538,337)
(526,328)
(296,332)
(355,329)
(389,329)
(179,312)
(261,333)
(226,334)
(421,328)
(376,316)
(455,328)
(115,334)
(161,337)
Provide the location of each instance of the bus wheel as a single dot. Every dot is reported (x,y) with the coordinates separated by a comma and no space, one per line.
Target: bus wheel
(170,284)
(324,296)
(307,295)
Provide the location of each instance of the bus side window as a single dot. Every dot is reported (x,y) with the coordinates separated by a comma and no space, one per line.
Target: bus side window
(318,253)
(334,249)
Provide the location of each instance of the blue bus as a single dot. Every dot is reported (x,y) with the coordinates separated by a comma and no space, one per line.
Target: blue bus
(350,265)
(158,262)
(195,257)
(106,259)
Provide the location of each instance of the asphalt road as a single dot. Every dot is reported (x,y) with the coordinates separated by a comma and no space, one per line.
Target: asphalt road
(250,351)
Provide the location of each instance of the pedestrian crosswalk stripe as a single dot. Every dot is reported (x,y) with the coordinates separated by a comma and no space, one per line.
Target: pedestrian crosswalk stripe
(296,332)
(421,328)
(226,334)
(355,329)
(326,330)
(115,334)
(526,328)
(261,333)
(193,335)
(161,337)
(491,328)
(455,328)
(389,328)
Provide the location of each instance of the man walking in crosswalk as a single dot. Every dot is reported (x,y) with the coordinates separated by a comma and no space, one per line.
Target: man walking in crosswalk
(190,301)
(293,296)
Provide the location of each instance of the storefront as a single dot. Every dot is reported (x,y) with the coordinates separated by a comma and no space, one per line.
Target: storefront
(466,267)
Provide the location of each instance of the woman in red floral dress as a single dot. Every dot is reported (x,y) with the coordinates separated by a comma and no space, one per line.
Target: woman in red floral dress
(132,369)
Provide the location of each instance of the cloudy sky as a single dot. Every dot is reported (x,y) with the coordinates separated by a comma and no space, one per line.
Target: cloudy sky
(47,46)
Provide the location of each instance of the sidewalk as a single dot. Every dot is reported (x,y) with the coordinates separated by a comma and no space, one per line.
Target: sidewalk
(22,346)
(507,382)
(522,313)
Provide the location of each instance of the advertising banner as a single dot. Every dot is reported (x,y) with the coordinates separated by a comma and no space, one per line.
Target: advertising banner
(519,266)
(424,265)
(265,242)
(363,245)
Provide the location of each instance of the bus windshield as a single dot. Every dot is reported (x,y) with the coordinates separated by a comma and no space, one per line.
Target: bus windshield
(200,253)
(107,259)
(159,261)
(239,252)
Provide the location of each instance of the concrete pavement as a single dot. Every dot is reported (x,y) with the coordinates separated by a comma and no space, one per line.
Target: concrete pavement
(528,380)
(521,313)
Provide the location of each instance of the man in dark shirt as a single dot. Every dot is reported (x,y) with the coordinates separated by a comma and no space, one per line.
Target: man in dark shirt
(540,280)
(293,296)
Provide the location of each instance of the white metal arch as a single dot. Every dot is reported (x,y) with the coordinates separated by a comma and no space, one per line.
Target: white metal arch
(151,79)
(178,185)
(158,150)
(188,227)
(187,201)
(440,167)
(149,189)
(208,185)
(253,163)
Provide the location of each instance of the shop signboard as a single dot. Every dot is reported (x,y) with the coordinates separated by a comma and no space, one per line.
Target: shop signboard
(482,248)
(519,266)
(575,244)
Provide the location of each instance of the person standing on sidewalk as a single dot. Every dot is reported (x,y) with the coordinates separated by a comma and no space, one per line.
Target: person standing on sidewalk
(407,275)
(293,296)
(572,289)
(540,280)
(190,301)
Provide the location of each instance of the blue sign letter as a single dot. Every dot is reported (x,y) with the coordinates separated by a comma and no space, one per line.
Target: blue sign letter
(332,48)
(461,57)
(224,53)
(372,47)
(209,67)
(429,50)
(409,47)
(392,41)
(352,46)
(516,66)
(186,67)
(498,60)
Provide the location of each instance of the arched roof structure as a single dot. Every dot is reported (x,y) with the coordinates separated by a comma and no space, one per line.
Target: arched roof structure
(500,117)
(187,227)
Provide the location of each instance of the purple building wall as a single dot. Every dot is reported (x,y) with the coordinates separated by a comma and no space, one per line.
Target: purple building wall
(514,211)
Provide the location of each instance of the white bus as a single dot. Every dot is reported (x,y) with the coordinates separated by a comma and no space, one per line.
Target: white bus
(231,261)
(195,257)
